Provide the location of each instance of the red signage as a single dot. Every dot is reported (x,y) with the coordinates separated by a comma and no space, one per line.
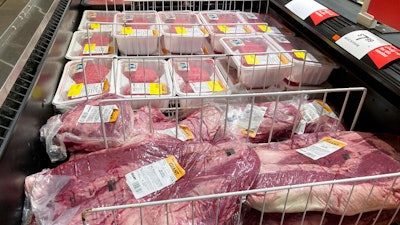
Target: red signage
(386,12)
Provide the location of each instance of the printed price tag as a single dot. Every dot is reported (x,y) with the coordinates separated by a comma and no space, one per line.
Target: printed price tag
(324,147)
(264,28)
(271,59)
(94,49)
(183,132)
(304,55)
(257,117)
(306,8)
(154,177)
(91,114)
(384,55)
(216,86)
(209,86)
(94,26)
(149,88)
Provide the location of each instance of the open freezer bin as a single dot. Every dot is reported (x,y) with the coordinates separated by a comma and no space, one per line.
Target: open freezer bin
(27,107)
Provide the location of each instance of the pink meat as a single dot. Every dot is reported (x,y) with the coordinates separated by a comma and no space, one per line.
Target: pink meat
(195,74)
(142,75)
(88,137)
(252,47)
(99,39)
(95,73)
(252,217)
(146,23)
(102,19)
(364,155)
(98,179)
(186,88)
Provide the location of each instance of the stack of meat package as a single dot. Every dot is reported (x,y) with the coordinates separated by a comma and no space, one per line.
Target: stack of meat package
(115,143)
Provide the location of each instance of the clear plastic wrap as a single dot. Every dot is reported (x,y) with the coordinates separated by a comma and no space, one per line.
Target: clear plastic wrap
(80,129)
(363,154)
(99,179)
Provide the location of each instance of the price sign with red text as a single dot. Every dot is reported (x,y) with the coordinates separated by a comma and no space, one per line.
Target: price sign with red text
(361,43)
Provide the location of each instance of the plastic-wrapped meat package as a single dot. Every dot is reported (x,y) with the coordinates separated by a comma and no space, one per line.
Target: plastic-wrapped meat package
(197,124)
(80,129)
(91,43)
(267,119)
(252,217)
(111,177)
(183,32)
(304,159)
(97,20)
(265,24)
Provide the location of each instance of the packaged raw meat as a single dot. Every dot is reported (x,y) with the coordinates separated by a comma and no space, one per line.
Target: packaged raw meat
(183,32)
(265,23)
(224,24)
(327,156)
(115,176)
(310,66)
(196,76)
(137,32)
(80,129)
(91,43)
(84,79)
(99,20)
(259,63)
(144,77)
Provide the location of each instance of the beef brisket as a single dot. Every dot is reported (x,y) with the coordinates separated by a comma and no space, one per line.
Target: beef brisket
(363,155)
(97,179)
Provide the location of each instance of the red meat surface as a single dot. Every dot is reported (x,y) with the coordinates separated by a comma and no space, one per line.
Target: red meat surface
(364,155)
(195,74)
(132,23)
(98,179)
(186,88)
(102,19)
(95,73)
(252,47)
(100,39)
(142,75)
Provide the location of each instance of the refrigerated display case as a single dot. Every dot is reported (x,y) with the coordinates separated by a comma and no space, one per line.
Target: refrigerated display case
(35,41)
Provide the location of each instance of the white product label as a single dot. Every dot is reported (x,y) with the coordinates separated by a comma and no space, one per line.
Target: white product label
(200,87)
(236,42)
(322,148)
(154,177)
(183,66)
(212,16)
(95,49)
(92,89)
(360,42)
(131,67)
(142,32)
(270,59)
(195,31)
(91,114)
(273,30)
(257,117)
(148,88)
(311,112)
(304,8)
(184,133)
(251,16)
(78,68)
(281,39)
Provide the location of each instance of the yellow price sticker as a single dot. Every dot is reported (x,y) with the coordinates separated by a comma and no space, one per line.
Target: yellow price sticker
(263,27)
(175,167)
(94,26)
(299,54)
(326,106)
(204,30)
(158,89)
(216,86)
(89,48)
(251,133)
(126,30)
(155,32)
(106,86)
(223,28)
(75,90)
(252,59)
(114,115)
(188,133)
(333,141)
(180,30)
